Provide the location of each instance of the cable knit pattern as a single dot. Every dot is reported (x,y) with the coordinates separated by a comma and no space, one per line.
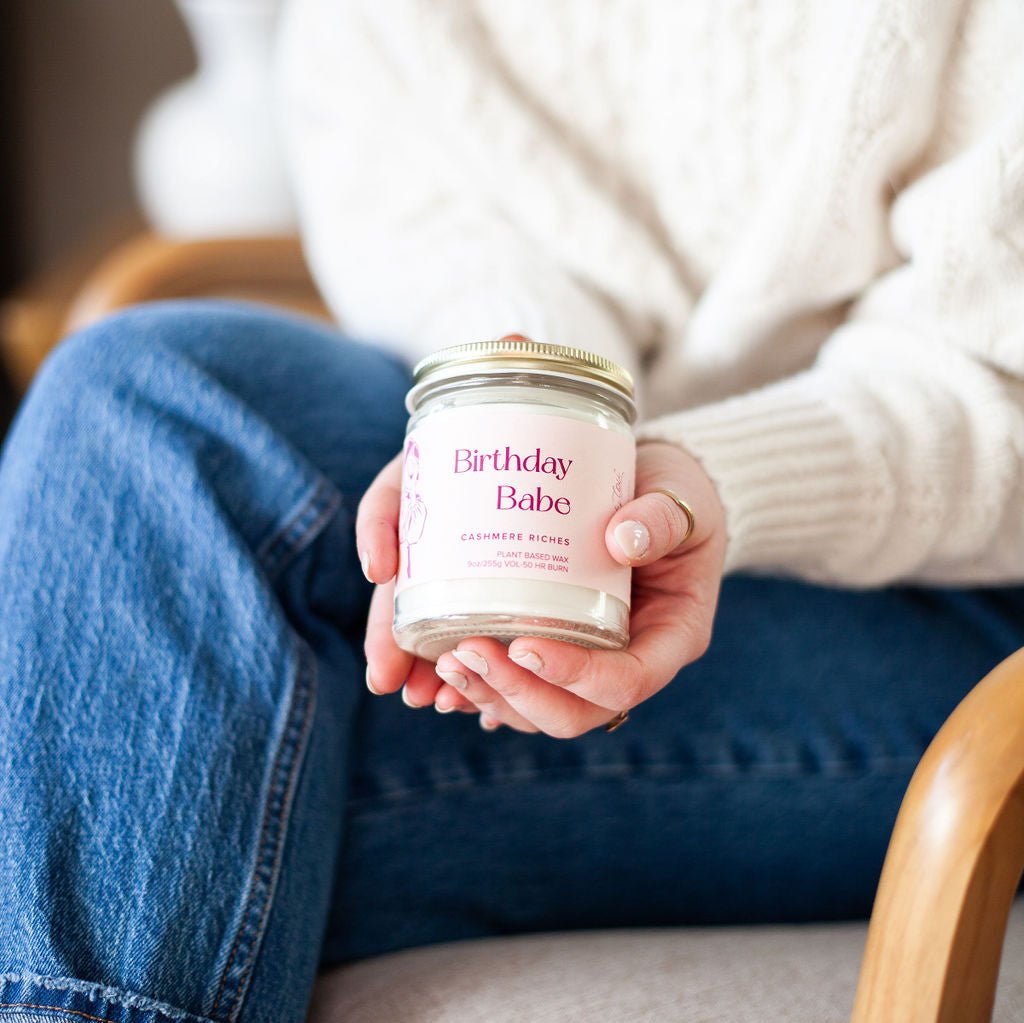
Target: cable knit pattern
(800,224)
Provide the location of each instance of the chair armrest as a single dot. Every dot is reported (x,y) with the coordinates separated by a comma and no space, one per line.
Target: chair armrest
(100,278)
(32,317)
(953,866)
(149,268)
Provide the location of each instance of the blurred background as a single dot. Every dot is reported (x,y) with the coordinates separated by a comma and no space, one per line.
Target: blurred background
(75,80)
(139,160)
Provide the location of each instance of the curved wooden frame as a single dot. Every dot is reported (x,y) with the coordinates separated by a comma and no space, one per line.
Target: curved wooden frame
(149,268)
(115,272)
(953,866)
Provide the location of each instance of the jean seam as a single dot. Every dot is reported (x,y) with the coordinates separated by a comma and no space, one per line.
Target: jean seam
(270,846)
(55,1008)
(629,773)
(298,528)
(77,1013)
(39,989)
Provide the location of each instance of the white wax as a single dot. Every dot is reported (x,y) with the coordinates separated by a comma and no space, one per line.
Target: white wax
(434,616)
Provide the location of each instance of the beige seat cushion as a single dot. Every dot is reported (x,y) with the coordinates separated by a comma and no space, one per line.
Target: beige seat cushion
(733,975)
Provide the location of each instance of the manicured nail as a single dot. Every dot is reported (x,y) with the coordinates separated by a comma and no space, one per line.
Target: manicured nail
(405,698)
(528,659)
(472,660)
(488,724)
(369,683)
(443,710)
(632,538)
(453,678)
(364,560)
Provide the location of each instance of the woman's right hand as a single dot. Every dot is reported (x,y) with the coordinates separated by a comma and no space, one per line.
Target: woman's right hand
(388,667)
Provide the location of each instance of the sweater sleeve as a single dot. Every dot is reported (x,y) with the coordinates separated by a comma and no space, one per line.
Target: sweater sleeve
(403,255)
(898,455)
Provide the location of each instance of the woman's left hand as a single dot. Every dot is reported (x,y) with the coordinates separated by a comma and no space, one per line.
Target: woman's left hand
(565,690)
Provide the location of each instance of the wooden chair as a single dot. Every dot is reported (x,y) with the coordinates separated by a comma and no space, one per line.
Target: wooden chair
(143,268)
(957,852)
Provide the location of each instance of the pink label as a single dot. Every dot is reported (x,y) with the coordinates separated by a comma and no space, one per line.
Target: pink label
(512,494)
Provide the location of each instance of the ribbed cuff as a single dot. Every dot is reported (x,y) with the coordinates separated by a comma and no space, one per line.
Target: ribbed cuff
(798,493)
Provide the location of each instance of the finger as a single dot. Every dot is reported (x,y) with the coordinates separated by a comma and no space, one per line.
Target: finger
(647,529)
(654,523)
(377,523)
(421,686)
(472,687)
(494,711)
(614,679)
(666,634)
(387,665)
(449,699)
(483,700)
(548,708)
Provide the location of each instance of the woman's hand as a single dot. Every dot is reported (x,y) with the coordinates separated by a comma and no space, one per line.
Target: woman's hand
(388,667)
(555,687)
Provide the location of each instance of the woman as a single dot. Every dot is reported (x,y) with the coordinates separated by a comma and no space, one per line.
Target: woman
(802,228)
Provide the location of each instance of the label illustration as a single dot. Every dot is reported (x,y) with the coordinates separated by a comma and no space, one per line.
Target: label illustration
(512,495)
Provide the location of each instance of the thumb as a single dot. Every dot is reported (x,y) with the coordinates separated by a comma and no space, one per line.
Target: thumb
(655,523)
(651,526)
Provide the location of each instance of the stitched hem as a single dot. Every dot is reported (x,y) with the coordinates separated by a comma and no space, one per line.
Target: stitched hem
(300,527)
(234,980)
(26,997)
(656,773)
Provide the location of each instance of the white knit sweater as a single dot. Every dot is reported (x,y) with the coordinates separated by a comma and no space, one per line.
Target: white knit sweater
(800,223)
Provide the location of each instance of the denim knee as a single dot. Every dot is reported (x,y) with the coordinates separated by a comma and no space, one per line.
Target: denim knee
(97,365)
(302,378)
(98,359)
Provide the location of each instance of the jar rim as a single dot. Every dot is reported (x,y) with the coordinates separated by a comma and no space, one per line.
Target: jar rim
(515,353)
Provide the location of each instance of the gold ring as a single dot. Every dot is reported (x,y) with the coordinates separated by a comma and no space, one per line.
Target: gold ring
(618,721)
(691,522)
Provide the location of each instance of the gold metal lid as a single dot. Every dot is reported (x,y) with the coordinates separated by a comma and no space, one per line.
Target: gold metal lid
(515,353)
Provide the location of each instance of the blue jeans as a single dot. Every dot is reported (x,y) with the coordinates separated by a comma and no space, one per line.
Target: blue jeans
(200,800)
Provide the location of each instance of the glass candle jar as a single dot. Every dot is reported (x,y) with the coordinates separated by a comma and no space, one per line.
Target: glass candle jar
(516,455)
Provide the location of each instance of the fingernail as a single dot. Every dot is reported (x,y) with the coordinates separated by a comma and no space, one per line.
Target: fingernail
(453,678)
(405,698)
(488,724)
(364,560)
(369,682)
(443,710)
(472,660)
(528,659)
(632,538)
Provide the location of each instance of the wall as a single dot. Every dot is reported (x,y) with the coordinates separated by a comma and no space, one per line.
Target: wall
(81,73)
